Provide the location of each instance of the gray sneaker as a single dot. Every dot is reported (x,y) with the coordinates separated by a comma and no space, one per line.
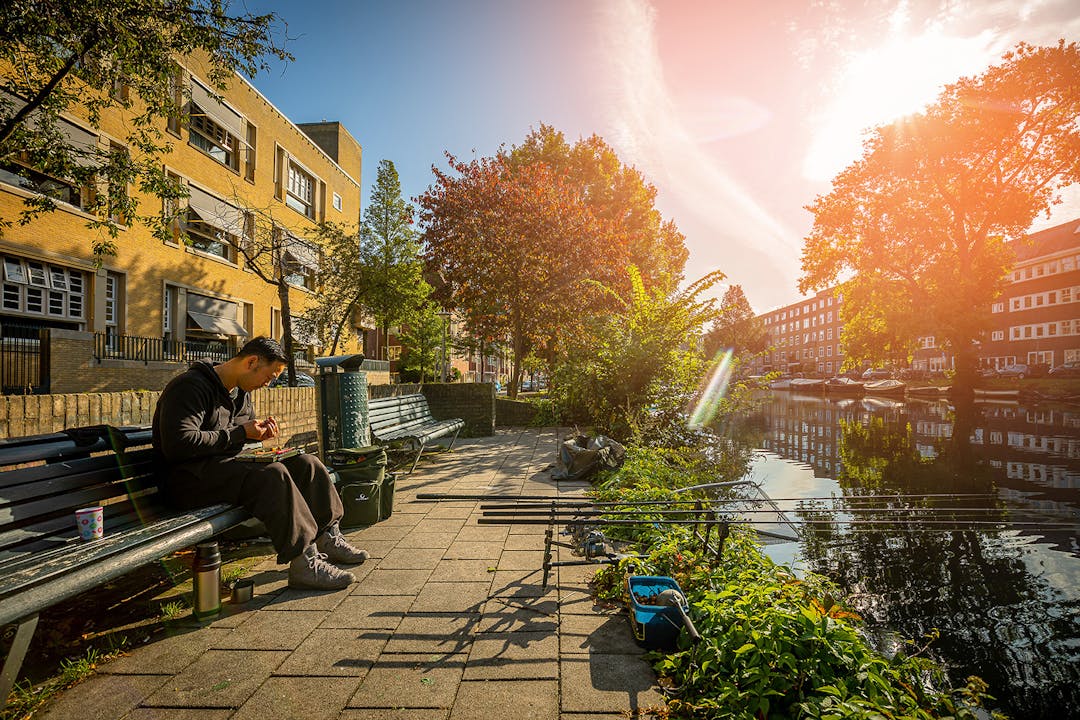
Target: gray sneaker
(335,547)
(310,571)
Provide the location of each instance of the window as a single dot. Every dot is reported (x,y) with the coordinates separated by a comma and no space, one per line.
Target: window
(176,99)
(249,155)
(213,139)
(337,202)
(300,191)
(15,172)
(997,335)
(997,307)
(171,210)
(118,191)
(36,288)
(206,238)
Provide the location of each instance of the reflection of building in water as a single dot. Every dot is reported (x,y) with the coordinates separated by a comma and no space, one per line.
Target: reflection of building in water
(1037,447)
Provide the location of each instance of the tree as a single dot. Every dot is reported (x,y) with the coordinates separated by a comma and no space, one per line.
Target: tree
(515,244)
(923,220)
(736,326)
(343,282)
(90,56)
(618,195)
(640,365)
(422,342)
(390,255)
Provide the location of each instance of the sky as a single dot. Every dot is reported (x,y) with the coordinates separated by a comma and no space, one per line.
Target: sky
(739,113)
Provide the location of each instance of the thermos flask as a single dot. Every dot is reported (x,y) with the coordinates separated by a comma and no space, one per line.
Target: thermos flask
(206,572)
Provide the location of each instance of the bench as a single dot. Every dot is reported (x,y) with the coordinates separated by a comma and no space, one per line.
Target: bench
(407,419)
(44,479)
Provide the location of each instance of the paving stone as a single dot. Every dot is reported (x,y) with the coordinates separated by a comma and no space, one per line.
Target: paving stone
(379,533)
(395,714)
(103,697)
(469,550)
(522,583)
(463,571)
(335,652)
(219,678)
(287,698)
(464,597)
(483,533)
(382,581)
(521,560)
(597,634)
(369,611)
(291,599)
(452,511)
(177,714)
(538,700)
(580,603)
(405,515)
(377,548)
(443,634)
(531,541)
(411,559)
(272,630)
(431,540)
(510,615)
(410,681)
(607,683)
(167,653)
(439,525)
(519,655)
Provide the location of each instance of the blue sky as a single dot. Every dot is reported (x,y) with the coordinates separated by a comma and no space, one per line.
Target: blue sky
(739,113)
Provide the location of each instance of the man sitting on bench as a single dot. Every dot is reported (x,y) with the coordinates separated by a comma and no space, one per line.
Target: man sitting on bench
(202,421)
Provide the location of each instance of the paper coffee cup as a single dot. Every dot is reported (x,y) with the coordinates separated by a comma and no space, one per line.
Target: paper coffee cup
(91,523)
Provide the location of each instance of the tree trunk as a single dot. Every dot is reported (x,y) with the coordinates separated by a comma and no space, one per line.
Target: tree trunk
(286,330)
(964,357)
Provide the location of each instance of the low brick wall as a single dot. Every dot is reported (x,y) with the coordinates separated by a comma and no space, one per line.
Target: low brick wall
(23,415)
(472,402)
(513,413)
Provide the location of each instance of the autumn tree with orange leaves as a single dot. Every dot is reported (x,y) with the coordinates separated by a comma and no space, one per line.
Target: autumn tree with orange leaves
(926,220)
(522,241)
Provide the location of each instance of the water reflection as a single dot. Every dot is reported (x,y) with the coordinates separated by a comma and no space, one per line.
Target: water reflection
(1007,599)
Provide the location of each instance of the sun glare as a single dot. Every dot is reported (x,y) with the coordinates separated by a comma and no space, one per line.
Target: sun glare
(899,77)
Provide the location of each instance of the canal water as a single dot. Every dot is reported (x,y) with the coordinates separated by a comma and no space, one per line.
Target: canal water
(1005,597)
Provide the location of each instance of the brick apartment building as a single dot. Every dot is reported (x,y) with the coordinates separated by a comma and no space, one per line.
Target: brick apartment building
(1036,320)
(237,154)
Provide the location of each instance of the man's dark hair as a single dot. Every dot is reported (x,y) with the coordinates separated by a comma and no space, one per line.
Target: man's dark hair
(266,349)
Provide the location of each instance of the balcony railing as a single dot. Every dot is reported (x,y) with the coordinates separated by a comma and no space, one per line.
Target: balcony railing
(144,349)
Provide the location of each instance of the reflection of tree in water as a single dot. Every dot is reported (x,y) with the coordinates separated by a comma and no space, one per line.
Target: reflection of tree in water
(997,620)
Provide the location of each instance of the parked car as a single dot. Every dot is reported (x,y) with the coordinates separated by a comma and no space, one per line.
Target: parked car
(1066,370)
(1023,370)
(302,380)
(876,374)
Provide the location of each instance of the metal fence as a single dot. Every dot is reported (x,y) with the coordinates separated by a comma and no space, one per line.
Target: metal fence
(24,361)
(144,349)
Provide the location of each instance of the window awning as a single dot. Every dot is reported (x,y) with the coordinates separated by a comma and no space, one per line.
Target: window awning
(302,253)
(214,315)
(216,110)
(217,213)
(83,142)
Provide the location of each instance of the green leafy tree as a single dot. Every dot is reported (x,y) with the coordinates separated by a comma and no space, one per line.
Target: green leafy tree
(422,343)
(923,220)
(637,364)
(87,57)
(342,281)
(736,327)
(390,256)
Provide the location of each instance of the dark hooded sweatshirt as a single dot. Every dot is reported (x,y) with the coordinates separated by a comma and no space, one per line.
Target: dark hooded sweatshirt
(197,424)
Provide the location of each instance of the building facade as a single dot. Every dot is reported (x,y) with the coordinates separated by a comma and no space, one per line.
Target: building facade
(804,337)
(1036,320)
(241,161)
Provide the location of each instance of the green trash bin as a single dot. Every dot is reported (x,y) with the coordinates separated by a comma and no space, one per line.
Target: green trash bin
(386,499)
(361,476)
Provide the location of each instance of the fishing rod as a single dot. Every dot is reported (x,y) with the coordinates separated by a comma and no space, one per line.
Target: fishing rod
(960,524)
(547,500)
(504,511)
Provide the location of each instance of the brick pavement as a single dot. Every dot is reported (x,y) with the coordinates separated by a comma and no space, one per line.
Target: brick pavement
(449,620)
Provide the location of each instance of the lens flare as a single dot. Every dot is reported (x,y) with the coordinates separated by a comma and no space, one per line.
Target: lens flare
(714,392)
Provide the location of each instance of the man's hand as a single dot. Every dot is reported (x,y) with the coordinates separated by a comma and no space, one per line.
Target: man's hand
(261,429)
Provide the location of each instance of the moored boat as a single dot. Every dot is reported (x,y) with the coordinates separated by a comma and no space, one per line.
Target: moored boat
(811,385)
(891,388)
(929,391)
(782,384)
(996,395)
(844,386)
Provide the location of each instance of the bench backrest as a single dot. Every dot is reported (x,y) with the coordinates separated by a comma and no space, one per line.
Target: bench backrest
(386,414)
(44,479)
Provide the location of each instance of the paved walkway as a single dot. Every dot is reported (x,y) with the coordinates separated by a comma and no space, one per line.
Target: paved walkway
(448,620)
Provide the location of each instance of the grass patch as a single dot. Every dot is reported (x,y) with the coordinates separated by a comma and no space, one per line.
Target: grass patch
(26,699)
